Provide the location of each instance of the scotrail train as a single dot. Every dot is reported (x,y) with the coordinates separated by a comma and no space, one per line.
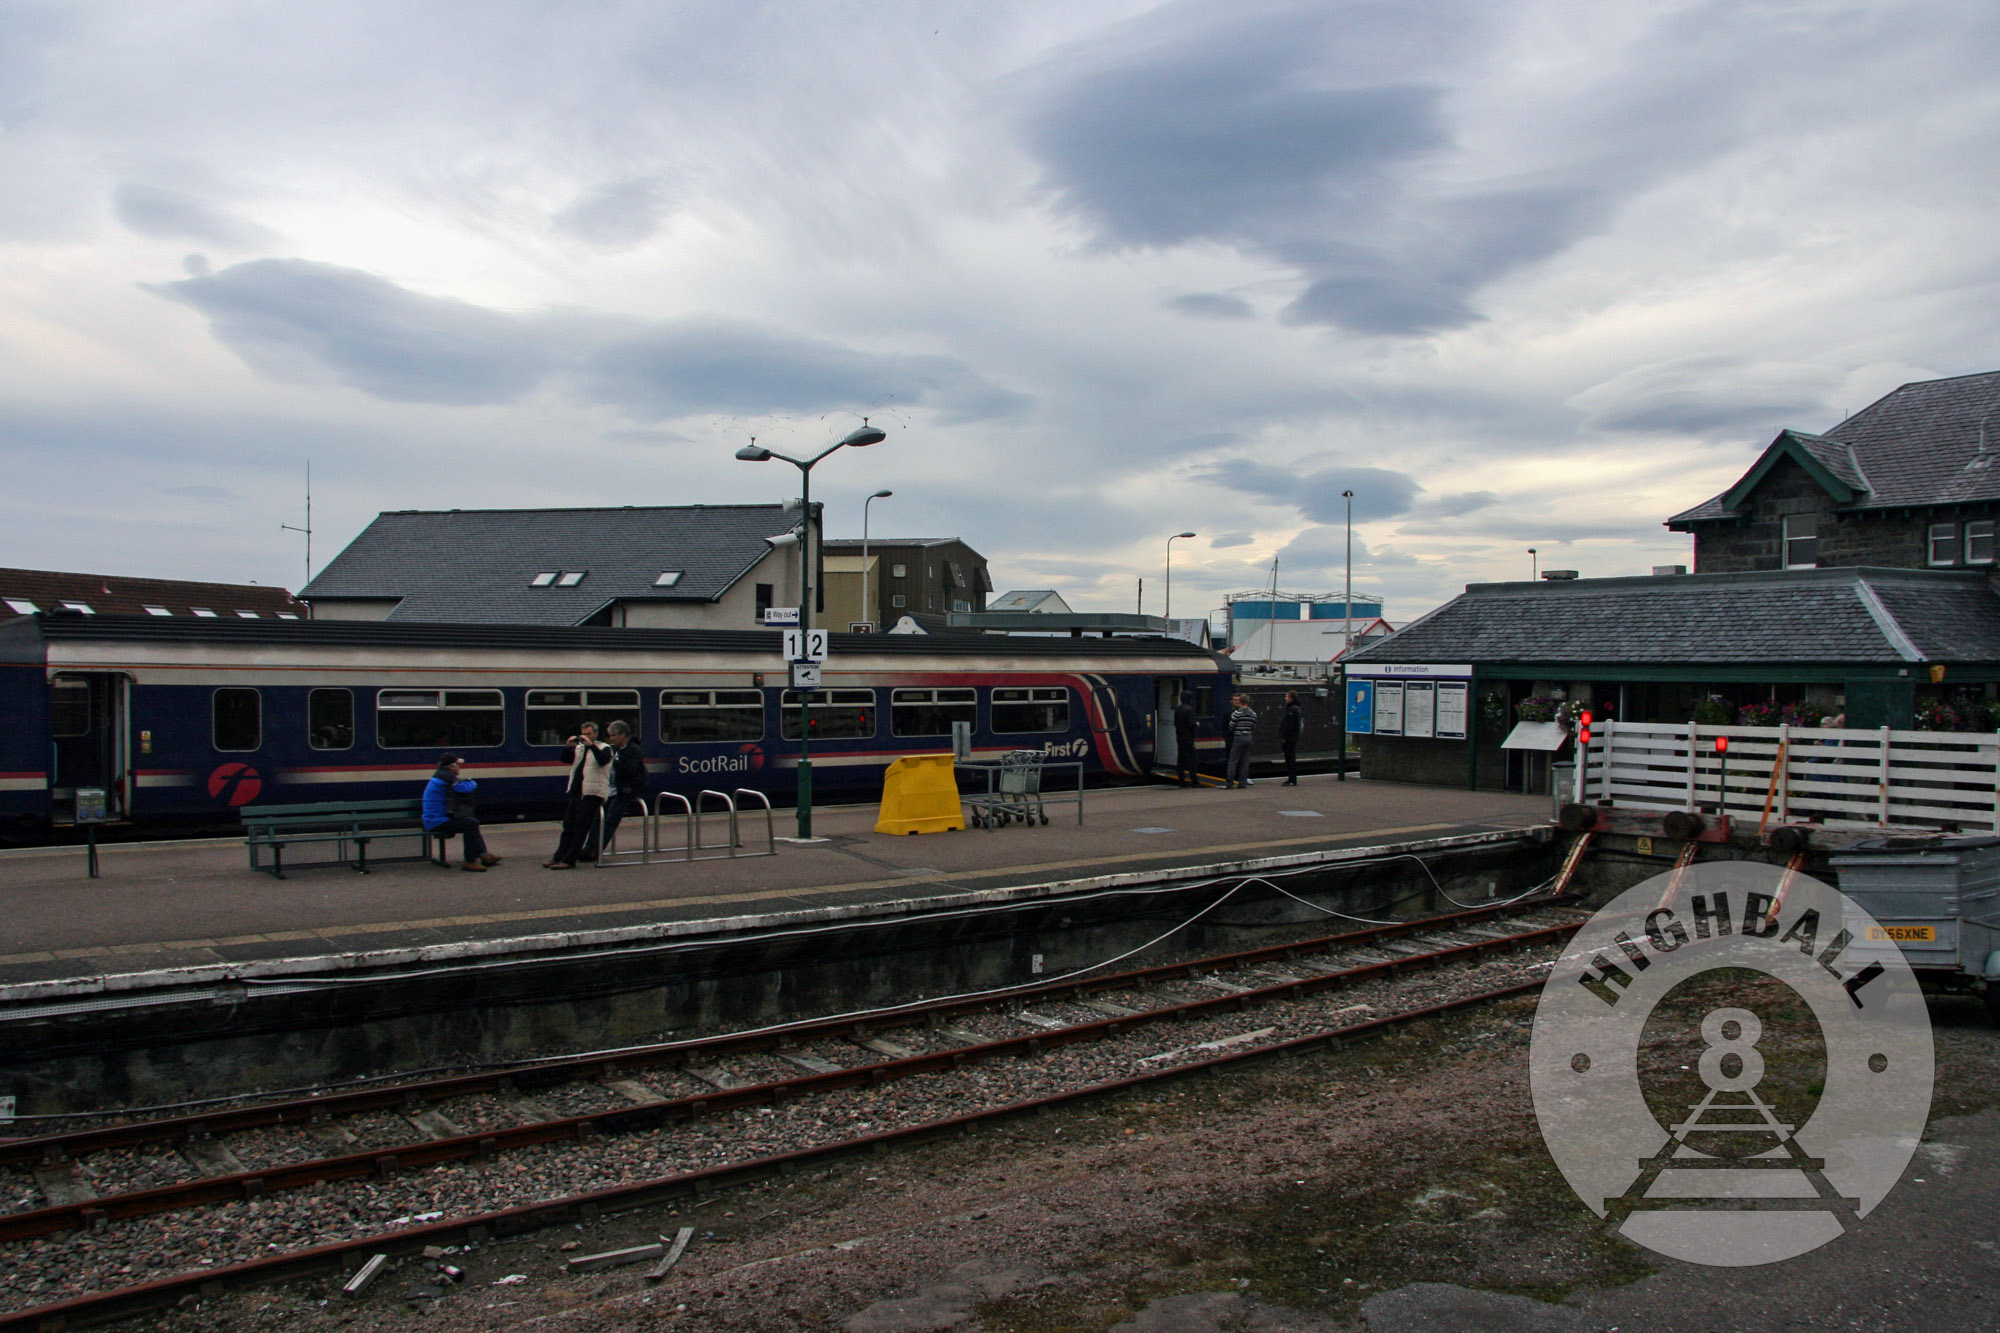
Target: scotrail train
(181,723)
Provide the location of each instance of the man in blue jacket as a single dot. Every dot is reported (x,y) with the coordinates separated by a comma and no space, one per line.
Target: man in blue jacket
(444,791)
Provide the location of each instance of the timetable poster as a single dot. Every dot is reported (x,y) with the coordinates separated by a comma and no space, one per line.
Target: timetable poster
(1452,697)
(1419,708)
(1389,708)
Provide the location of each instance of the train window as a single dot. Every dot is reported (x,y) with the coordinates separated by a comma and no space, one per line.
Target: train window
(931,712)
(238,717)
(837,715)
(1204,701)
(439,719)
(553,716)
(69,708)
(330,719)
(692,717)
(1037,708)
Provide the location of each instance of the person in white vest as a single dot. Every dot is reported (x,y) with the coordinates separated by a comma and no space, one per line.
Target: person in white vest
(589,783)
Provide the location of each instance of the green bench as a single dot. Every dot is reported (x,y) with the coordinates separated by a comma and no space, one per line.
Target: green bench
(345,824)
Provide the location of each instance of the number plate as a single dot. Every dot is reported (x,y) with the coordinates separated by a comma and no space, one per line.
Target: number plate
(1904,934)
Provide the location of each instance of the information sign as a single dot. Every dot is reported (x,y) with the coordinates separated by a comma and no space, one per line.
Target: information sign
(805,675)
(781,615)
(1360,707)
(1389,707)
(1452,699)
(1419,708)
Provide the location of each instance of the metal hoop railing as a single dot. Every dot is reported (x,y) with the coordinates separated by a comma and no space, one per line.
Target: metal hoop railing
(770,822)
(605,855)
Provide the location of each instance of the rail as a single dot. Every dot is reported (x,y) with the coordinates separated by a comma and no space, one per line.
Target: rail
(1841,777)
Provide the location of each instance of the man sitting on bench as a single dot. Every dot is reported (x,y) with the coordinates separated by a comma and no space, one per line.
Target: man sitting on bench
(448,811)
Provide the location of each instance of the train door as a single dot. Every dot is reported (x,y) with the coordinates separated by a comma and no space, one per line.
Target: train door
(1166,696)
(87,741)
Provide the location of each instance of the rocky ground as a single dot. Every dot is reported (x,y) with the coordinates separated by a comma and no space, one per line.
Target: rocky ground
(1400,1184)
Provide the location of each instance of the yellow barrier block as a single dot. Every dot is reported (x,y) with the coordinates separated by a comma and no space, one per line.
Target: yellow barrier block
(920,795)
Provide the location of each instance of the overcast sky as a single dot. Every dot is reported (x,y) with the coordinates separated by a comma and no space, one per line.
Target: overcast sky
(1522,274)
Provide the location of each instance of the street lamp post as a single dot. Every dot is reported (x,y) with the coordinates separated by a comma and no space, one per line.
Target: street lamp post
(861,435)
(1170,574)
(1348,609)
(867,611)
(1534,563)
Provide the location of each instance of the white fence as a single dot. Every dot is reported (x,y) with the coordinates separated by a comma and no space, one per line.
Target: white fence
(1842,778)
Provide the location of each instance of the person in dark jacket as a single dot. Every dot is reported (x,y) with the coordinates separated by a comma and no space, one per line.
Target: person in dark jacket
(445,790)
(1184,752)
(1242,731)
(589,763)
(1290,727)
(628,785)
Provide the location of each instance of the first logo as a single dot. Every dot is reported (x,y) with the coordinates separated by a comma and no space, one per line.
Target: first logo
(238,784)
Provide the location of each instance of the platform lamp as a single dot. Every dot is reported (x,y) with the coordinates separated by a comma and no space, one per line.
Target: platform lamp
(1347,610)
(861,435)
(1169,604)
(868,610)
(1534,565)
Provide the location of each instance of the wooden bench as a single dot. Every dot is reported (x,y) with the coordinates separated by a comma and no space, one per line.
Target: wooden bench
(344,824)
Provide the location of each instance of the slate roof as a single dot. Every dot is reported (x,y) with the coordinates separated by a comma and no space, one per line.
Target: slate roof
(1928,443)
(473,566)
(1849,615)
(1025,599)
(114,594)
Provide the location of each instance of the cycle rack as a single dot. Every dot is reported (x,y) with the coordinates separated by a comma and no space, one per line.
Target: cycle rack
(644,854)
(770,822)
(694,821)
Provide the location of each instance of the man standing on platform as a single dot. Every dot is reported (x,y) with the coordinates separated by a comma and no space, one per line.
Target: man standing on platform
(1184,752)
(589,783)
(1290,727)
(628,785)
(1242,730)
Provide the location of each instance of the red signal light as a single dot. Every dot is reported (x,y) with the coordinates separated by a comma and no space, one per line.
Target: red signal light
(1583,728)
(1722,745)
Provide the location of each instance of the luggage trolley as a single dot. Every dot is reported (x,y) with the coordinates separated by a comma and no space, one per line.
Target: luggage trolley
(1013,791)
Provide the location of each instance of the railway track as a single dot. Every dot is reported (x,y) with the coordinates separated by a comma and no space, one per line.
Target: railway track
(391,1168)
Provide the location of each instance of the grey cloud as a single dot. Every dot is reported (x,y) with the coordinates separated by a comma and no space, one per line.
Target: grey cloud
(1229,539)
(293,319)
(1212,305)
(1378,492)
(615,215)
(1454,506)
(1711,396)
(212,493)
(172,215)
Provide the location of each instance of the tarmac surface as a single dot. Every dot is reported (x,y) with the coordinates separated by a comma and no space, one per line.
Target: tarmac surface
(180,912)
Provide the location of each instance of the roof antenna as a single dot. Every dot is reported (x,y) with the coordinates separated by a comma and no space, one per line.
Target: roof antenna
(308,528)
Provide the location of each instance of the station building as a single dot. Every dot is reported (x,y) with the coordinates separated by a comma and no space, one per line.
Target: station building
(23,592)
(1850,570)
(907,576)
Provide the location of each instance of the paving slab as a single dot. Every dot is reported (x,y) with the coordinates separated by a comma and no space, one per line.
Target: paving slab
(196,907)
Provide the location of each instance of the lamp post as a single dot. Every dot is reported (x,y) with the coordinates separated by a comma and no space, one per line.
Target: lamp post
(1170,573)
(868,611)
(1347,610)
(861,435)
(1534,562)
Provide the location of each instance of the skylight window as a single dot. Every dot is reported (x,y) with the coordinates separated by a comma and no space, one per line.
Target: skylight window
(158,611)
(668,579)
(22,606)
(543,580)
(203,612)
(286,615)
(571,578)
(79,606)
(247,615)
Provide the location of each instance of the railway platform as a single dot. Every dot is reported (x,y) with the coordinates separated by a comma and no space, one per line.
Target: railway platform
(173,914)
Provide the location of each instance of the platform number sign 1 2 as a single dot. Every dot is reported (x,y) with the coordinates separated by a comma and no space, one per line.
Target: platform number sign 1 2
(807,645)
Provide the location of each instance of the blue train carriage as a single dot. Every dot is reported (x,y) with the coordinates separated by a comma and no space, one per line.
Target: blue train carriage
(184,722)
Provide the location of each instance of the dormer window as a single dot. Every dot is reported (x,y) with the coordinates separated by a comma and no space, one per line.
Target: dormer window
(1944,543)
(668,579)
(1802,541)
(1979,542)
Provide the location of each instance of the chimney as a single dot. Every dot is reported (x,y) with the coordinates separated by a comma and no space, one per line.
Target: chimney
(1558,575)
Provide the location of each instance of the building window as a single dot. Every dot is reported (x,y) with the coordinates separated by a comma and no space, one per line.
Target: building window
(571,578)
(764,591)
(898,601)
(545,579)
(330,719)
(931,712)
(1802,541)
(238,719)
(1979,542)
(203,612)
(1036,709)
(246,615)
(930,573)
(439,719)
(158,611)
(83,607)
(696,717)
(1944,544)
(553,716)
(957,573)
(959,604)
(837,715)
(899,571)
(21,606)
(668,579)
